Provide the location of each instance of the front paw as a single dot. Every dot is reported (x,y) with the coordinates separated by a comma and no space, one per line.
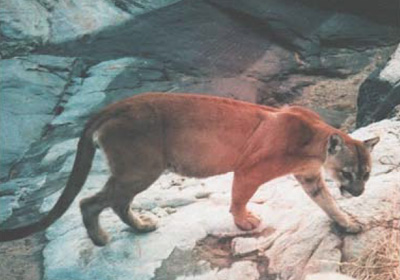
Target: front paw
(247,222)
(351,226)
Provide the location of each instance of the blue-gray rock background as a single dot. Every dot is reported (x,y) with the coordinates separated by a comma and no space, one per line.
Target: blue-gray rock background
(63,60)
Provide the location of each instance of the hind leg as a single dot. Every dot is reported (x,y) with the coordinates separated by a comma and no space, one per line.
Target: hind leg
(136,159)
(91,208)
(124,194)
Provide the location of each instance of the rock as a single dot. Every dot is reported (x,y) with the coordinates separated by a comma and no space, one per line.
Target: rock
(15,194)
(239,270)
(57,151)
(328,276)
(380,92)
(325,29)
(91,94)
(335,118)
(202,194)
(327,256)
(159,212)
(244,245)
(391,72)
(277,55)
(108,82)
(71,20)
(31,89)
(177,202)
(28,25)
(24,26)
(10,202)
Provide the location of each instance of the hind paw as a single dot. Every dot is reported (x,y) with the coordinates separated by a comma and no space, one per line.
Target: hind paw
(145,223)
(100,238)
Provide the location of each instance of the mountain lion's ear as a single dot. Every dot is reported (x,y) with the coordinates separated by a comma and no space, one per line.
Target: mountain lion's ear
(370,143)
(335,144)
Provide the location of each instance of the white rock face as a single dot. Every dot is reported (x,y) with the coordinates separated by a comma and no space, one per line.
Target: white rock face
(391,72)
(296,236)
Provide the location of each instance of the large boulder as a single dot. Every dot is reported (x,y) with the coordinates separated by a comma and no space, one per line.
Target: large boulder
(379,94)
(31,88)
(23,26)
(269,52)
(26,25)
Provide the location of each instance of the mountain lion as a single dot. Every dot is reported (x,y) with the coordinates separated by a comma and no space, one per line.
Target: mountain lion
(201,136)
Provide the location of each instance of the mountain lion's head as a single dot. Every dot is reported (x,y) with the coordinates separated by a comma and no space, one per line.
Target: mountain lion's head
(349,162)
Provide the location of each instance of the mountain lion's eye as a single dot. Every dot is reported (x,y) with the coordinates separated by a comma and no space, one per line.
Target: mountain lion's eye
(346,175)
(366,176)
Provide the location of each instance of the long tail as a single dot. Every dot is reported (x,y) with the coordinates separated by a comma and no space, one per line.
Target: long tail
(83,163)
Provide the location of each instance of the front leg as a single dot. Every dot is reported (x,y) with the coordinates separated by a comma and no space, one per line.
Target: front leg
(242,190)
(316,188)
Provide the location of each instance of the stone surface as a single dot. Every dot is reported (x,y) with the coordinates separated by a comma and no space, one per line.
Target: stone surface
(259,51)
(328,276)
(23,26)
(314,30)
(26,25)
(391,72)
(380,92)
(30,90)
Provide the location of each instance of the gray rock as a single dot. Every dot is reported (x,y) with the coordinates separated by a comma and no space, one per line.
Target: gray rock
(15,193)
(23,26)
(277,54)
(315,29)
(333,117)
(71,20)
(26,25)
(24,20)
(391,72)
(380,92)
(90,93)
(31,88)
(9,202)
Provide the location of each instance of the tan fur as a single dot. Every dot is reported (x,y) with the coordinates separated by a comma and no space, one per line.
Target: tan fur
(202,136)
